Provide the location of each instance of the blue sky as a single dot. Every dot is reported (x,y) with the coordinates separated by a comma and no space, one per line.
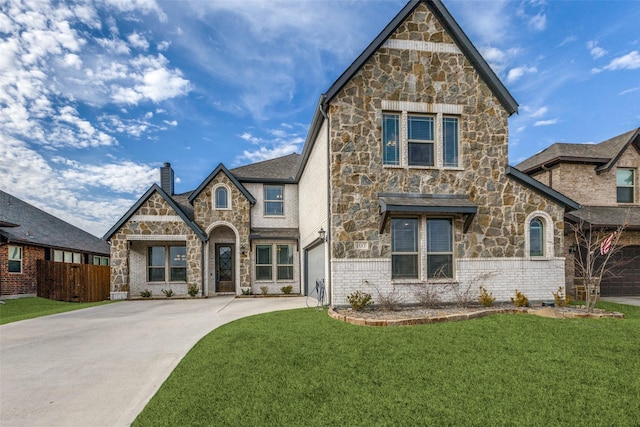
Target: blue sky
(95,96)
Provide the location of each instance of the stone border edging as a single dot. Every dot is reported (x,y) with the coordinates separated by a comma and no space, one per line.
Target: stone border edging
(458,316)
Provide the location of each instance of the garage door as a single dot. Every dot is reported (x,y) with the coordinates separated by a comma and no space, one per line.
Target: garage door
(626,275)
(314,258)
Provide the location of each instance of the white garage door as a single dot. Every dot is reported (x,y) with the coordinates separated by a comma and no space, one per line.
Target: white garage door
(315,268)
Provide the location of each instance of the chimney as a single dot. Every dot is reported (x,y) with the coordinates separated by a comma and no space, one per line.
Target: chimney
(166,178)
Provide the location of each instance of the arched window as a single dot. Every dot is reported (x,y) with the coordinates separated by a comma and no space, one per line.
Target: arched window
(536,237)
(222,201)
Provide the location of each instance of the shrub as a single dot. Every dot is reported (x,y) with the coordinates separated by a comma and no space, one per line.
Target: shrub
(192,290)
(146,293)
(429,295)
(264,289)
(286,289)
(167,292)
(388,301)
(462,294)
(359,300)
(520,300)
(247,291)
(486,298)
(561,298)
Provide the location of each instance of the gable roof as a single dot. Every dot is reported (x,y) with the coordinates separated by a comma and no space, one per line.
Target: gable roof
(281,169)
(216,171)
(542,189)
(156,188)
(23,223)
(607,216)
(455,32)
(603,155)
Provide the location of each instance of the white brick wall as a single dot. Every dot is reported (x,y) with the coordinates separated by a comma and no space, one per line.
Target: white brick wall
(536,279)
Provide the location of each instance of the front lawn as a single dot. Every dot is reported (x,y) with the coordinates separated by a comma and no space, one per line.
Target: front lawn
(27,308)
(303,368)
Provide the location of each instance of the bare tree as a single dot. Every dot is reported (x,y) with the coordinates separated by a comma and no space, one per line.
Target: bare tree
(595,256)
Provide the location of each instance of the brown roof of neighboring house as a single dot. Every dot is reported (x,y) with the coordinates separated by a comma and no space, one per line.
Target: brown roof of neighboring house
(23,223)
(607,216)
(604,155)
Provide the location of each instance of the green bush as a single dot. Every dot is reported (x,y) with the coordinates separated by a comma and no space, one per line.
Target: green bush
(264,289)
(247,291)
(561,298)
(167,293)
(520,300)
(286,289)
(146,293)
(359,300)
(193,290)
(486,298)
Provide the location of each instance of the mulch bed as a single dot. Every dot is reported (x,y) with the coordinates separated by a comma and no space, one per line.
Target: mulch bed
(406,316)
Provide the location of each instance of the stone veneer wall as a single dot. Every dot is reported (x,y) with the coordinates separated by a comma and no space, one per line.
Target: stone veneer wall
(149,231)
(429,76)
(238,215)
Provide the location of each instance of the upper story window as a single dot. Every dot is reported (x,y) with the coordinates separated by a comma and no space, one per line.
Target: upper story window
(15,259)
(536,237)
(274,200)
(429,140)
(221,198)
(625,185)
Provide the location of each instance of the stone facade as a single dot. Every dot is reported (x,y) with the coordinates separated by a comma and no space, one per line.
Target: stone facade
(421,77)
(169,227)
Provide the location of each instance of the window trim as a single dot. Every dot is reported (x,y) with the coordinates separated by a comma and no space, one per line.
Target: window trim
(632,186)
(166,266)
(19,260)
(539,235)
(279,265)
(215,197)
(449,253)
(281,201)
(416,254)
(548,237)
(438,142)
(264,265)
(428,142)
(275,262)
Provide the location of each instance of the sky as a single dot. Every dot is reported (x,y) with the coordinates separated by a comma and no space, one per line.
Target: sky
(96,96)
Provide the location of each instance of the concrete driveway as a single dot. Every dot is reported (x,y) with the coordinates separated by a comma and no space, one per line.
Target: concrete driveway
(100,366)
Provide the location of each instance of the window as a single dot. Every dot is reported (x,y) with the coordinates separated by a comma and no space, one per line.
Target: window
(178,263)
(625,185)
(404,248)
(536,237)
(64,256)
(158,265)
(100,260)
(15,259)
(221,196)
(155,263)
(273,200)
(429,140)
(285,262)
(77,258)
(391,139)
(420,138)
(439,248)
(58,256)
(263,262)
(450,141)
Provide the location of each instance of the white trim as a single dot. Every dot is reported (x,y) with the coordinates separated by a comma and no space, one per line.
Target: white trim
(547,224)
(213,197)
(422,107)
(421,46)
(156,218)
(157,237)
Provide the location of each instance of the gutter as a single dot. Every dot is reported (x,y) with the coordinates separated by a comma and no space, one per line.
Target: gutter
(322,107)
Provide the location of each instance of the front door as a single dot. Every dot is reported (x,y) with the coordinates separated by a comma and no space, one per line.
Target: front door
(224,268)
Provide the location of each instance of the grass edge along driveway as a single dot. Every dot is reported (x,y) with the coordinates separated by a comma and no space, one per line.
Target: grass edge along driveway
(17,309)
(303,368)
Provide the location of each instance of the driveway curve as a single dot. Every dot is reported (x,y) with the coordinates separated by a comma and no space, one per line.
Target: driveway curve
(100,366)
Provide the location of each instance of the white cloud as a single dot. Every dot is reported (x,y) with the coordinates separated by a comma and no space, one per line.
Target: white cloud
(287,139)
(138,41)
(546,122)
(516,73)
(595,50)
(539,112)
(538,22)
(630,61)
(633,89)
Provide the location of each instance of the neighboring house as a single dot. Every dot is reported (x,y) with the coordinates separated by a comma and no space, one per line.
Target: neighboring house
(405,170)
(28,234)
(604,179)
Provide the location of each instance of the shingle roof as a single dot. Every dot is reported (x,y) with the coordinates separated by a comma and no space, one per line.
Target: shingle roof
(274,170)
(21,222)
(607,216)
(603,155)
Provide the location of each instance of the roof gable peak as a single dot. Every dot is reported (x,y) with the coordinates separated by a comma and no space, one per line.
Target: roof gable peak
(221,168)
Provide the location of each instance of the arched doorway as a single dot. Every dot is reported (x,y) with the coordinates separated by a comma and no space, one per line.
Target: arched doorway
(222,262)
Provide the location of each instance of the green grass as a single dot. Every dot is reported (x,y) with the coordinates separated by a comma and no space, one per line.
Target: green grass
(303,368)
(27,308)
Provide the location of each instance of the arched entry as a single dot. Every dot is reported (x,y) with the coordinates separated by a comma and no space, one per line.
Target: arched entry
(222,259)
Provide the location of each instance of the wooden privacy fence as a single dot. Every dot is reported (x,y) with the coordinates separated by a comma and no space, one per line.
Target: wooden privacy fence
(73,282)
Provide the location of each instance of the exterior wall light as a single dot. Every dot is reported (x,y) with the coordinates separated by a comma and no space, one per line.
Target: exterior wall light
(243,249)
(322,234)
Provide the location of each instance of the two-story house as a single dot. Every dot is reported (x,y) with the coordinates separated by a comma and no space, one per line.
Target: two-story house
(403,183)
(603,178)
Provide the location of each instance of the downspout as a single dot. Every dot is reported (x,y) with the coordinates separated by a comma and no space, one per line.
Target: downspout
(327,286)
(202,265)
